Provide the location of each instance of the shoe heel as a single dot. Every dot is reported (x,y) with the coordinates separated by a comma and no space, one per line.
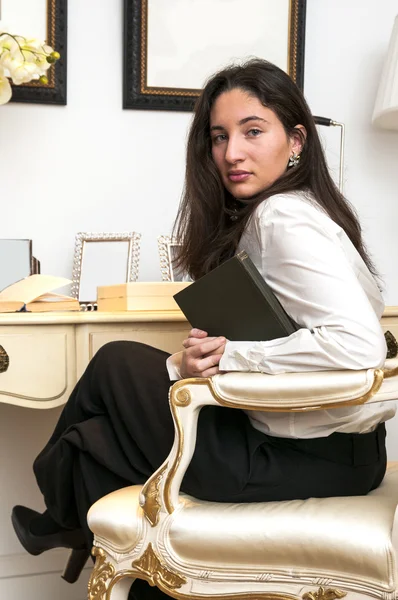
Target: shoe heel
(75,565)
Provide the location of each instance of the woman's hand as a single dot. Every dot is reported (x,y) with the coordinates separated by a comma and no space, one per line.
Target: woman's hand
(202,354)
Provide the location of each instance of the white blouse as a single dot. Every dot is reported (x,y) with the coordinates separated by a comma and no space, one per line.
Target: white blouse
(324,285)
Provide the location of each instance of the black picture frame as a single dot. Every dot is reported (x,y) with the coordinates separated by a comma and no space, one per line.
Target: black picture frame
(138,95)
(55,91)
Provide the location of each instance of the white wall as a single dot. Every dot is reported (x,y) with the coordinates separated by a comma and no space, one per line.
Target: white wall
(346,45)
(90,166)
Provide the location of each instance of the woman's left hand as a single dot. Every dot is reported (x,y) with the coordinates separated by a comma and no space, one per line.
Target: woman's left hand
(198,362)
(197,336)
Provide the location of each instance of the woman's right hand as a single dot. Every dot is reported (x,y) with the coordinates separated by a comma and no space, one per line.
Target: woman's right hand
(202,355)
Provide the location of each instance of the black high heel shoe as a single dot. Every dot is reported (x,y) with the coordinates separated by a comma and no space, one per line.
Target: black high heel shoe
(21,518)
(75,565)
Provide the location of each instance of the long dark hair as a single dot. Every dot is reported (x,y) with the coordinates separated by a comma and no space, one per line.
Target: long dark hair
(203,225)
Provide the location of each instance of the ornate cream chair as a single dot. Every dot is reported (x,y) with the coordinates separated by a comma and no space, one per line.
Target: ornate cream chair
(316,549)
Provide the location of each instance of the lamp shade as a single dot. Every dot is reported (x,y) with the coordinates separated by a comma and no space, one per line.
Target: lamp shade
(385,114)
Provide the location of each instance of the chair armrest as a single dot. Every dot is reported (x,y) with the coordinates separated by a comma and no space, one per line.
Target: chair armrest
(391,367)
(296,391)
(308,391)
(254,391)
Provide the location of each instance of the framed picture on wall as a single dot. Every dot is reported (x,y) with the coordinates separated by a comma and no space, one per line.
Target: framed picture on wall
(45,20)
(171,47)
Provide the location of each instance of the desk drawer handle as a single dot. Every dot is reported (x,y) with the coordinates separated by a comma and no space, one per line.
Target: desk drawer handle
(4,360)
(392,345)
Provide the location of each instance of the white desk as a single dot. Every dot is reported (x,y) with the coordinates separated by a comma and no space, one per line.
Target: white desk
(48,352)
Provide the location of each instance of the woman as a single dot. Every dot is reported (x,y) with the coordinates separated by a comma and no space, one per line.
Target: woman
(257,180)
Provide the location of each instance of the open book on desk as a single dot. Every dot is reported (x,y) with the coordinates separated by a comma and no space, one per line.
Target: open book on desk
(234,301)
(35,294)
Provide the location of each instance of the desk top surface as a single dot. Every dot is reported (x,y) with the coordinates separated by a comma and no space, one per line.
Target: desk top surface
(83,317)
(86,317)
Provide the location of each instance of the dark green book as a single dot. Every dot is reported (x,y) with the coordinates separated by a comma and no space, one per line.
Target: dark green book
(234,301)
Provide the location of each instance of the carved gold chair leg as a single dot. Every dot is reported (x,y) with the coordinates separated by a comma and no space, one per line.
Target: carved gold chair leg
(105,583)
(119,587)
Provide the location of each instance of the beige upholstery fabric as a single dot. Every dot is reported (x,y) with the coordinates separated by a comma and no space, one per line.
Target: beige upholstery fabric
(293,389)
(301,390)
(118,518)
(349,538)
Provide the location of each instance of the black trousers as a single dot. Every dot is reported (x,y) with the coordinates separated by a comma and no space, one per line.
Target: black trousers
(116,429)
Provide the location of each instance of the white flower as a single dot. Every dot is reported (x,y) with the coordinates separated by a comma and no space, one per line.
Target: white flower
(10,63)
(33,44)
(5,88)
(22,60)
(24,73)
(7,43)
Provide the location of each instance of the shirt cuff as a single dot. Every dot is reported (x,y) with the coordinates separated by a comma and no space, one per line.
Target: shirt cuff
(233,358)
(263,357)
(173,364)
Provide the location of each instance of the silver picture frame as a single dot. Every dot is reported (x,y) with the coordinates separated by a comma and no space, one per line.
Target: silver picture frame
(122,265)
(16,260)
(166,247)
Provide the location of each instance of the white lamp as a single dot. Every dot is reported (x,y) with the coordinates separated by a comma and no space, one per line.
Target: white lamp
(385,114)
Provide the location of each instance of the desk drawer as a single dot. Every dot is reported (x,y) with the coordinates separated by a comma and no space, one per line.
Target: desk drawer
(41,371)
(165,336)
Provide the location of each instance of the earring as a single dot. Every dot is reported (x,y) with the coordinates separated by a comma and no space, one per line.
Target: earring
(294,160)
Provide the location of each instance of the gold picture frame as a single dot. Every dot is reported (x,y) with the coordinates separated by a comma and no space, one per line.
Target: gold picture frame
(160,65)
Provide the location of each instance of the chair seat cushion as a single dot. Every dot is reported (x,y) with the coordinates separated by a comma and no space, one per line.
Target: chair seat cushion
(353,538)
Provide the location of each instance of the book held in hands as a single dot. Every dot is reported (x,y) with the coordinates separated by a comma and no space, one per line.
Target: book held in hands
(35,294)
(234,301)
